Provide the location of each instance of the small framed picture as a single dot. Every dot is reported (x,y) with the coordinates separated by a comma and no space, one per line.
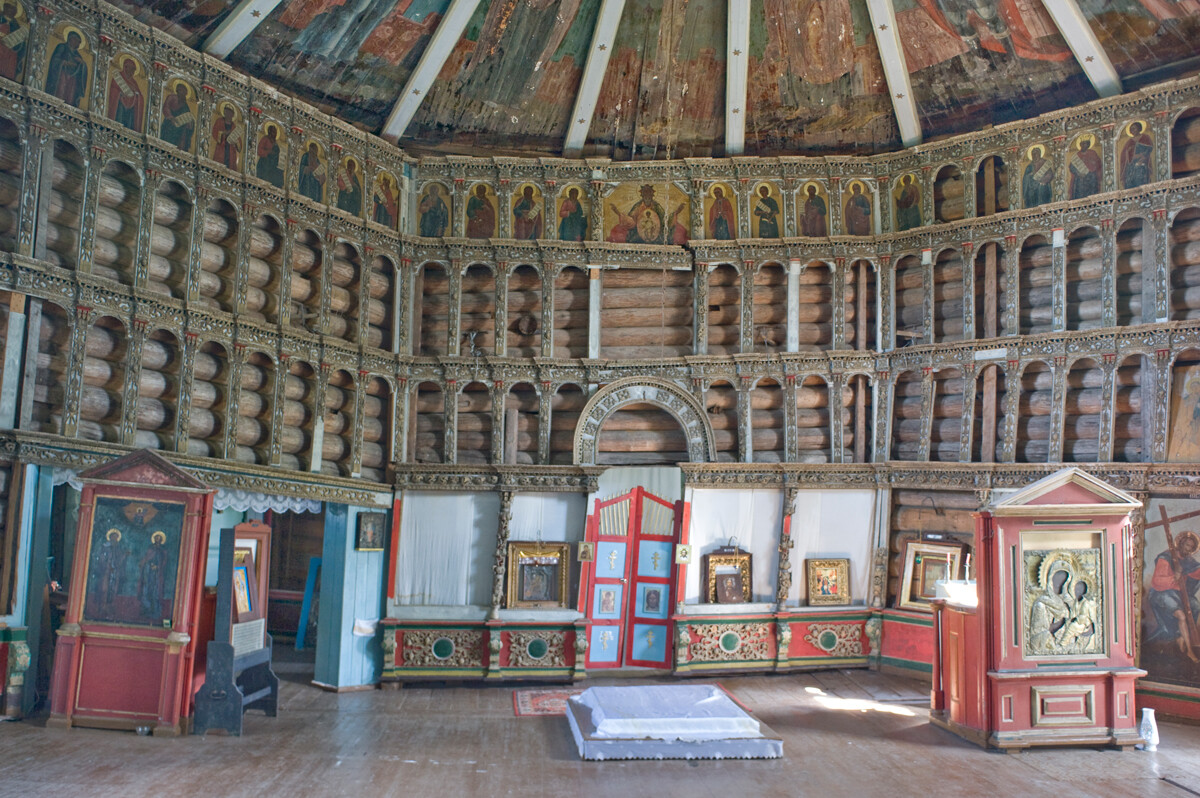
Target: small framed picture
(537,574)
(246,604)
(828,581)
(924,564)
(730,588)
(652,601)
(683,554)
(608,602)
(371,531)
(586,552)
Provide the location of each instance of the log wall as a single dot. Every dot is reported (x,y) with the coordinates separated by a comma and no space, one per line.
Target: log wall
(474,425)
(724,310)
(428,443)
(721,404)
(338,432)
(378,412)
(571,313)
(524,333)
(646,313)
(770,308)
(942,516)
(767,419)
(10,184)
(1185,264)
(256,392)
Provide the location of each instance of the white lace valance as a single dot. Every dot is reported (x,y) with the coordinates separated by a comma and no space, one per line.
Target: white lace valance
(239,500)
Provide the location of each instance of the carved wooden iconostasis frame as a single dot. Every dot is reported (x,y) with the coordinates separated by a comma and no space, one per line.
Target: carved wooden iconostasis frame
(125,652)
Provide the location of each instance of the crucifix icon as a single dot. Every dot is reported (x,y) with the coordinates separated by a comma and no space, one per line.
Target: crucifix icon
(612,560)
(650,637)
(654,558)
(605,637)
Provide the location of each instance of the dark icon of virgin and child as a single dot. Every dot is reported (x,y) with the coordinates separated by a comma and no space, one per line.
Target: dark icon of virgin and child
(133,560)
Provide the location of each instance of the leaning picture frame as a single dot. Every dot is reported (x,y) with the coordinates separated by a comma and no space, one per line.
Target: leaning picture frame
(925,563)
(537,574)
(828,581)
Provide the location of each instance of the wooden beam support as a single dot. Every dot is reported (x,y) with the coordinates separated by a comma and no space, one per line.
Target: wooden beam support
(736,68)
(238,26)
(445,37)
(593,76)
(895,70)
(1073,26)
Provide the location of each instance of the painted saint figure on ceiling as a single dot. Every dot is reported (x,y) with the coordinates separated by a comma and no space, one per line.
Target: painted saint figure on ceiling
(858,211)
(908,204)
(310,181)
(1085,169)
(572,219)
(227,136)
(349,186)
(67,74)
(721,222)
(433,215)
(385,199)
(481,214)
(270,156)
(1037,181)
(178,125)
(527,215)
(126,100)
(14,31)
(766,214)
(813,213)
(1137,156)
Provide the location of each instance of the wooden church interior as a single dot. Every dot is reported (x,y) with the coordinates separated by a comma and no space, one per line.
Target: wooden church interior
(553,340)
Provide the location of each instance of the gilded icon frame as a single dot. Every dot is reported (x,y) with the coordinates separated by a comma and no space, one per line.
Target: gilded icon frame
(537,575)
(828,581)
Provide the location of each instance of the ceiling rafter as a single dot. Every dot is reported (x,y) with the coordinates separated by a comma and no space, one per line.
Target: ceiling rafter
(1074,27)
(238,26)
(593,76)
(895,70)
(441,45)
(736,68)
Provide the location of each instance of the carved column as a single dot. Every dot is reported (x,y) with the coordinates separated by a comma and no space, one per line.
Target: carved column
(1058,406)
(37,178)
(885,204)
(285,275)
(545,412)
(183,414)
(450,433)
(363,306)
(548,276)
(968,288)
(133,376)
(1012,282)
(457,223)
(74,387)
(319,407)
(838,280)
(500,563)
(241,280)
(746,333)
(278,398)
(356,442)
(403,402)
(700,276)
(1108,407)
(454,323)
(927,395)
(1108,273)
(596,208)
(1161,406)
(1162,145)
(837,429)
(927,287)
(1137,541)
(697,211)
(745,422)
(783,581)
(237,358)
(883,415)
(1058,277)
(887,303)
(968,181)
(1162,264)
(788,195)
(141,253)
(1006,447)
(504,209)
(928,186)
(91,197)
(966,430)
(498,394)
(791,443)
(745,202)
(500,320)
(835,207)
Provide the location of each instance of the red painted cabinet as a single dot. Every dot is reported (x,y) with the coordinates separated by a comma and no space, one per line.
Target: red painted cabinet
(1047,656)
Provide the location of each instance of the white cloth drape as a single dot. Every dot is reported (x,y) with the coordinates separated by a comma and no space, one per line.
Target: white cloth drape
(447,547)
(753,517)
(226,499)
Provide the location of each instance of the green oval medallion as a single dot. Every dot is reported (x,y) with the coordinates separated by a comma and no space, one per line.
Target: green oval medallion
(443,647)
(537,648)
(827,640)
(730,641)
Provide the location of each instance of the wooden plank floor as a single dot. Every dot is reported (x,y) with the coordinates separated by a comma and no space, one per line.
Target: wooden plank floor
(846,733)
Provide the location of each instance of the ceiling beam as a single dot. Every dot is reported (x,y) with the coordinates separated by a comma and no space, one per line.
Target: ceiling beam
(1073,26)
(240,23)
(445,37)
(895,70)
(736,67)
(593,76)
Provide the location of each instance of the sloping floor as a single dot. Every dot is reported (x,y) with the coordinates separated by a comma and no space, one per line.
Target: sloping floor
(846,733)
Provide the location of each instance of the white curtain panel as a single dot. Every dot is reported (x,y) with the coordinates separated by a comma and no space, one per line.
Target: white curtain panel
(751,516)
(447,545)
(833,523)
(549,517)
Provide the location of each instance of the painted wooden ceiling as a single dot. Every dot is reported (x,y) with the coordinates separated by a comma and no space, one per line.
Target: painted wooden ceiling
(652,79)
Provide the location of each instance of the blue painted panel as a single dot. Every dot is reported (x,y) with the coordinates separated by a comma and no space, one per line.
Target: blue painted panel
(610,559)
(604,606)
(604,643)
(651,601)
(649,643)
(654,558)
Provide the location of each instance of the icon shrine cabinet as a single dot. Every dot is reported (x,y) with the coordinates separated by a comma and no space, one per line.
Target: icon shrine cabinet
(1046,657)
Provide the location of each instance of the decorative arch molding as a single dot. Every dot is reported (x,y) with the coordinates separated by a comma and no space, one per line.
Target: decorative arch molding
(677,401)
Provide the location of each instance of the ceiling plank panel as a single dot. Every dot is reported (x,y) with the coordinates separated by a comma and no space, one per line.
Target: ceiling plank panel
(441,45)
(895,70)
(1083,43)
(248,15)
(593,76)
(736,68)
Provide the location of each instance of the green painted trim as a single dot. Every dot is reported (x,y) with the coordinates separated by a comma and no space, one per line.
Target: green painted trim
(908,620)
(1190,698)
(448,673)
(733,665)
(538,672)
(12,634)
(907,664)
(860,662)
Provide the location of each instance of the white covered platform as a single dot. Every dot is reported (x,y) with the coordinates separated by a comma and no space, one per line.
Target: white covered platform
(683,721)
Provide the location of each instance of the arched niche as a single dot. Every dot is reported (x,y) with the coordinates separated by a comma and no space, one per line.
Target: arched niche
(640,390)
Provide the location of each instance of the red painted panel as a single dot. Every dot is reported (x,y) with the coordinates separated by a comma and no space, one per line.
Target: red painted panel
(906,641)
(123,680)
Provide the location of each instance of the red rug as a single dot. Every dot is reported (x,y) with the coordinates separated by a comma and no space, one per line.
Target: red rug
(534,701)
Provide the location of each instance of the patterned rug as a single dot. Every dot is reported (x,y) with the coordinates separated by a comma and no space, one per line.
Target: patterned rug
(543,700)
